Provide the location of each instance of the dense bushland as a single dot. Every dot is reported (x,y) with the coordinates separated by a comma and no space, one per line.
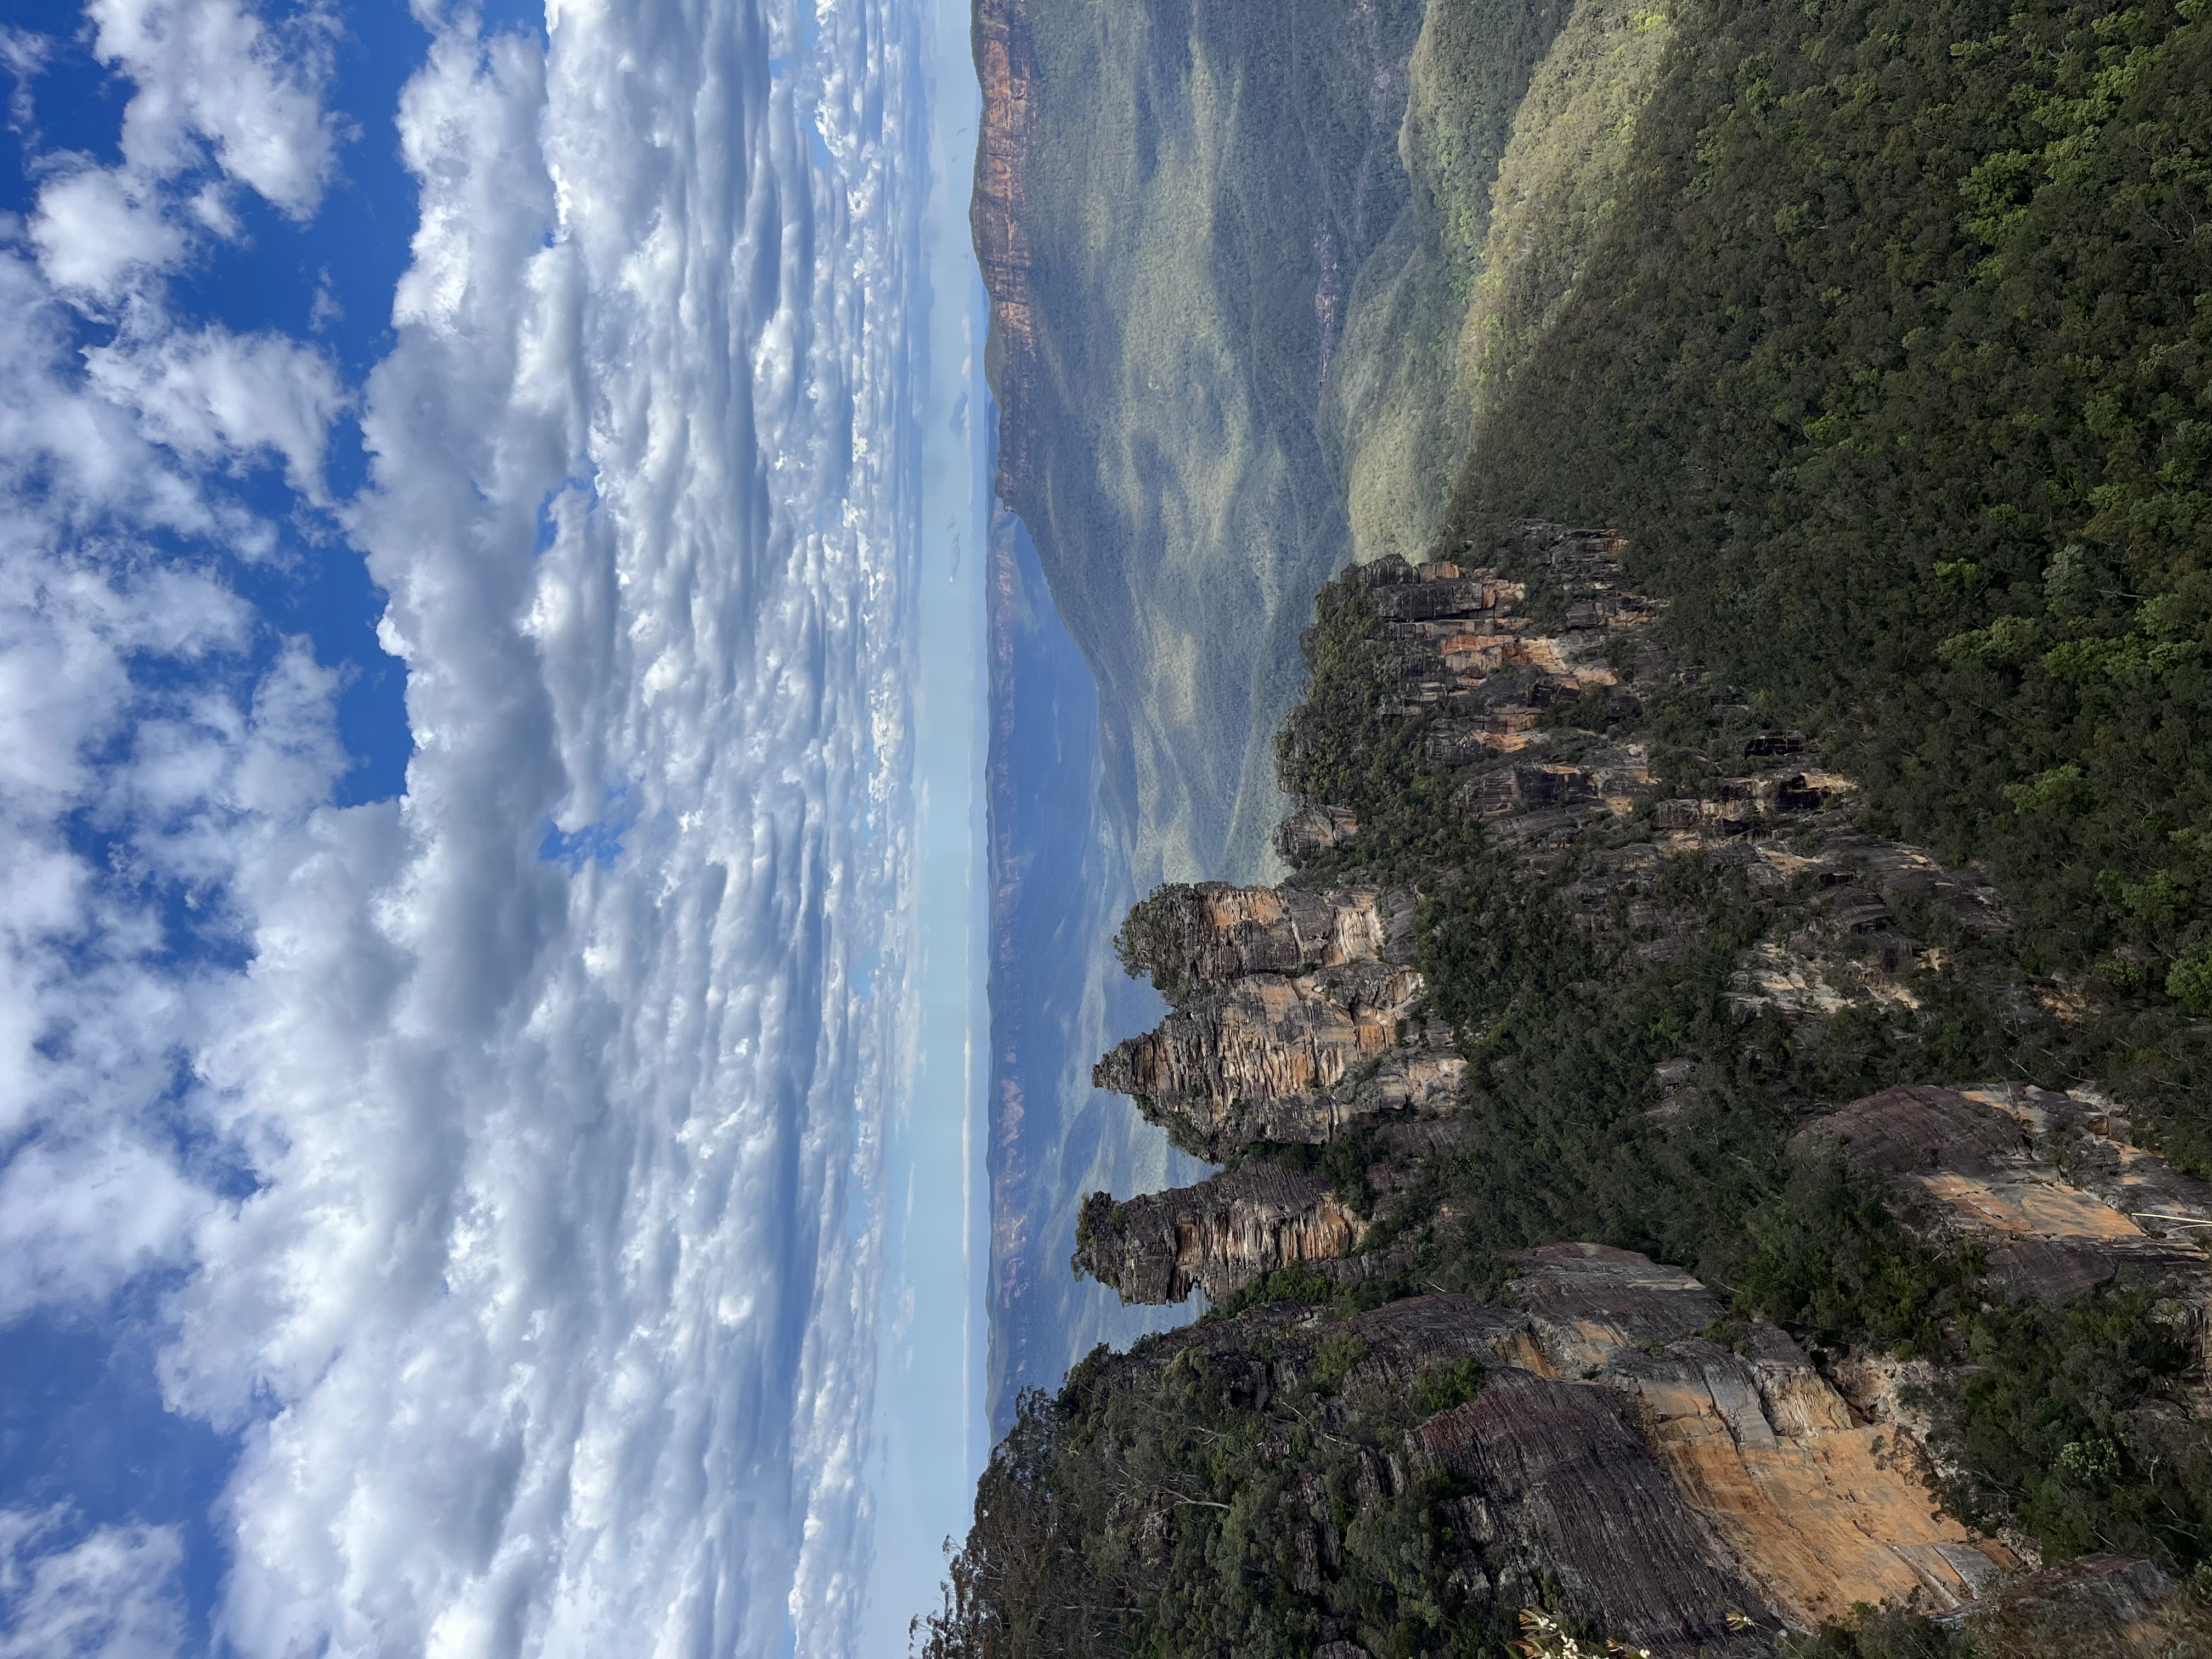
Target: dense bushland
(1894,364)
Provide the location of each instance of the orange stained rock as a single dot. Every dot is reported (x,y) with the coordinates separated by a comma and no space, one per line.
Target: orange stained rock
(1822,1517)
(2028,1207)
(1244,1245)
(1234,906)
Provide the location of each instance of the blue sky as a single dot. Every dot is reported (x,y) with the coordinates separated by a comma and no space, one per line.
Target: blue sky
(490,930)
(329,279)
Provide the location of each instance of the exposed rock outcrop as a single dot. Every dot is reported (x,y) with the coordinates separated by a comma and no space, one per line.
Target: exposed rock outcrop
(1189,937)
(1640,1459)
(1292,1059)
(1621,1456)
(1817,1509)
(1312,831)
(1006,66)
(1565,1494)
(2120,1594)
(1216,1237)
(2045,1182)
(1297,1015)
(1297,1012)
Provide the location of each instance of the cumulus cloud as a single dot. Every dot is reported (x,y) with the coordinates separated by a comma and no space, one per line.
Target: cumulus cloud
(79,1219)
(211,395)
(216,88)
(150,745)
(97,229)
(562,1266)
(109,1593)
(213,72)
(135,760)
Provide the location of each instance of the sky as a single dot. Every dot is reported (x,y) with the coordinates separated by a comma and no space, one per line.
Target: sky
(491,910)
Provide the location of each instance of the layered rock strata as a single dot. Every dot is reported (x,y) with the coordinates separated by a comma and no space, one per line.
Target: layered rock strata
(1216,1237)
(1296,1016)
(1006,66)
(1816,1507)
(1638,1459)
(1298,1013)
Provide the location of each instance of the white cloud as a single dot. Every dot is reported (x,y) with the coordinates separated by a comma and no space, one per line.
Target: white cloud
(97,228)
(140,765)
(110,1594)
(547,1323)
(563,1271)
(215,85)
(213,70)
(79,1219)
(23,54)
(212,395)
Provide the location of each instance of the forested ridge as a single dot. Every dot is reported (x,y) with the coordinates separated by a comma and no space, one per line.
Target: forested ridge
(1894,366)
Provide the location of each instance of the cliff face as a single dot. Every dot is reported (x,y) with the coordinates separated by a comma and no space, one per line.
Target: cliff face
(1297,1015)
(1676,1491)
(1216,1237)
(1006,65)
(2045,1183)
(1816,1507)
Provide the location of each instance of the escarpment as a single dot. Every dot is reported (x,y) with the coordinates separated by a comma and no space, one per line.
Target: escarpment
(1006,65)
(1803,885)
(1578,947)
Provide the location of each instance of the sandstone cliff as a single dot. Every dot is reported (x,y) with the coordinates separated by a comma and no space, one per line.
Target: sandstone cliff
(1650,1479)
(1297,1014)
(2045,1183)
(1006,65)
(1216,1237)
(1577,947)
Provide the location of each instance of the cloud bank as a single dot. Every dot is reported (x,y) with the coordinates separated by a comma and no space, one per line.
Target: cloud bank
(512,1143)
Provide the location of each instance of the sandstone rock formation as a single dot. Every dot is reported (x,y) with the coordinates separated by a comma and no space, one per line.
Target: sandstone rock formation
(1296,1015)
(1006,66)
(1216,1237)
(1639,1459)
(1312,831)
(1187,937)
(1297,1012)
(1656,1482)
(1816,1508)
